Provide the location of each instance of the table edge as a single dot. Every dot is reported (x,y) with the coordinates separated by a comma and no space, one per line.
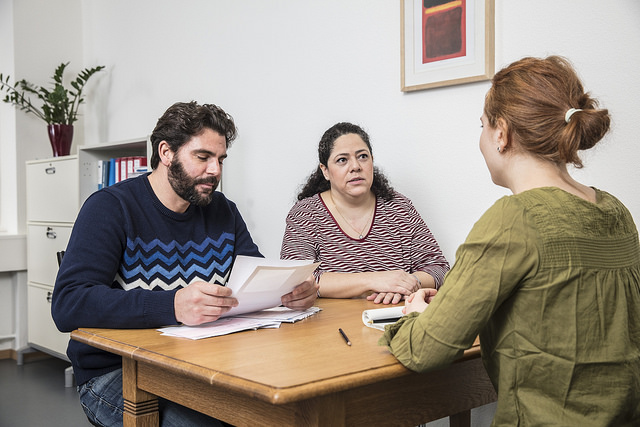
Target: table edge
(271,394)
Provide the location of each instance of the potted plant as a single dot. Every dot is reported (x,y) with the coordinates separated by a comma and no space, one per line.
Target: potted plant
(59,104)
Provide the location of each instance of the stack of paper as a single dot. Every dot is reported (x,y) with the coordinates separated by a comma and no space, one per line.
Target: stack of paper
(270,318)
(281,314)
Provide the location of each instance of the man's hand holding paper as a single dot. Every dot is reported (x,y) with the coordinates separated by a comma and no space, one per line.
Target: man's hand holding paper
(259,283)
(202,302)
(303,296)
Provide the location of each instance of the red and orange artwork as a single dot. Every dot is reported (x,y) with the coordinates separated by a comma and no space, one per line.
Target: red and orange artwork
(443,30)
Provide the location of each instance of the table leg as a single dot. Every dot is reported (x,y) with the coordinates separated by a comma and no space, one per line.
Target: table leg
(461,419)
(140,407)
(326,410)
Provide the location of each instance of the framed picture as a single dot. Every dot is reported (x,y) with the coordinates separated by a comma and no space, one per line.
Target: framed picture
(446,42)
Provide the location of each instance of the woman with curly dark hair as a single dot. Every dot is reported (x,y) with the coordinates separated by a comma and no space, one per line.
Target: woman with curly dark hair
(369,238)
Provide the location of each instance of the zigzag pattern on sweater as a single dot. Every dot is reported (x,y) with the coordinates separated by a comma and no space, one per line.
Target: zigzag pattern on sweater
(170,265)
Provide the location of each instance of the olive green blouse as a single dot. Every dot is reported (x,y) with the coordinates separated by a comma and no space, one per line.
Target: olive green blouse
(551,284)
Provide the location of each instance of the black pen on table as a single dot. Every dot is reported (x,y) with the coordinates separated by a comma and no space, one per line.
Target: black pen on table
(346,339)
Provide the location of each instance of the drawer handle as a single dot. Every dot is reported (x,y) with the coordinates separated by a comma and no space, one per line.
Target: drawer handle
(50,170)
(49,295)
(51,234)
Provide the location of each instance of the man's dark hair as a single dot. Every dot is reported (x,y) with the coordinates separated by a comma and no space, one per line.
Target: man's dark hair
(184,120)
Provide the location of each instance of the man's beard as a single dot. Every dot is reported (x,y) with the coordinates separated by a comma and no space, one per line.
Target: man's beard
(185,186)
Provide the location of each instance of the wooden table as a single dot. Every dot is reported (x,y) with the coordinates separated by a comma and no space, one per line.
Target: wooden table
(302,374)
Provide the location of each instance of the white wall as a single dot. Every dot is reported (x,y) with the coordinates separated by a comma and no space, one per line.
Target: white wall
(287,70)
(8,175)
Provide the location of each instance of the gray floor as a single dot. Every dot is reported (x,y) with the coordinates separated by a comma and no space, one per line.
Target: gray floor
(34,395)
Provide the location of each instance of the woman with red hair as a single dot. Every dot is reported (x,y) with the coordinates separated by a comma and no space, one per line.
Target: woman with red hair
(549,277)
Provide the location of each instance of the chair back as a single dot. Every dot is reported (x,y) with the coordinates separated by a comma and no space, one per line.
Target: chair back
(59,255)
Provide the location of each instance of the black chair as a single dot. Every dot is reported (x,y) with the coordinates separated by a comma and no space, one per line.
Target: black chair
(68,373)
(59,255)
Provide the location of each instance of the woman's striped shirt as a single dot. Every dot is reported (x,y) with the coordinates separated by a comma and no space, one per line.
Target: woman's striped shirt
(398,239)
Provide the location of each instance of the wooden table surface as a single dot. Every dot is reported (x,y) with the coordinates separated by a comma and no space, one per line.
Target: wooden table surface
(299,374)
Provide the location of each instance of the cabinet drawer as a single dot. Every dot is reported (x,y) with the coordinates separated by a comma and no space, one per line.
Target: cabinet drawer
(42,331)
(43,242)
(52,190)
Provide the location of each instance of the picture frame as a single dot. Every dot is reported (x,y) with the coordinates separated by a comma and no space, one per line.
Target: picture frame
(446,42)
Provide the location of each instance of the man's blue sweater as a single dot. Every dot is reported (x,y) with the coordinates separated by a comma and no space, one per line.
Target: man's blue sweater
(127,257)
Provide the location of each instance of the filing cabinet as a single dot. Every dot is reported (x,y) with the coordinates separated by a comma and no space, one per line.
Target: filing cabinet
(52,205)
(56,189)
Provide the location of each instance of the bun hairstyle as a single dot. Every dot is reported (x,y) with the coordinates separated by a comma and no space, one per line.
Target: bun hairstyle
(533,96)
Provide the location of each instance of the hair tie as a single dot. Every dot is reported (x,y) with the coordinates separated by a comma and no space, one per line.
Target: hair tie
(569,113)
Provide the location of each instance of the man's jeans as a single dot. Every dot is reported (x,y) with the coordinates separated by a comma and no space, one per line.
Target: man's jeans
(101,399)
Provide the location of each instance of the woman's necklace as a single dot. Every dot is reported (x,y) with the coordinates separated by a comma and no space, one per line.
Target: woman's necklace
(366,224)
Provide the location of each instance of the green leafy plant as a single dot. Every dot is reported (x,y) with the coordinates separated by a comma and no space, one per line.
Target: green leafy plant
(59,104)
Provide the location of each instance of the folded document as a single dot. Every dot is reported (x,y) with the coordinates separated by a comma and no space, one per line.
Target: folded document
(259,283)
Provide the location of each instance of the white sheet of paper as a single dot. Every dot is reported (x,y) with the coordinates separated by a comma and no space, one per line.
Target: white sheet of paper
(259,283)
